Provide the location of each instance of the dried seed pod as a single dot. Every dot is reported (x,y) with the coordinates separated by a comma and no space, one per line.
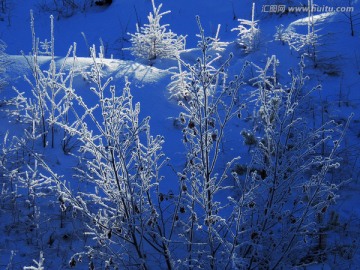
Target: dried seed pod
(254,235)
(252,204)
(72,262)
(214,137)
(191,124)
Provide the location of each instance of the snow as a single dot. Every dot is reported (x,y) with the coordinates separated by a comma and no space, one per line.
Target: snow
(134,71)
(321,18)
(337,71)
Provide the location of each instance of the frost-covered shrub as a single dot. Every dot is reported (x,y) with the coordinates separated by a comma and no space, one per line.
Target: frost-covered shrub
(178,87)
(206,216)
(154,40)
(48,100)
(281,34)
(120,161)
(9,168)
(216,44)
(293,192)
(307,42)
(249,33)
(297,41)
(23,191)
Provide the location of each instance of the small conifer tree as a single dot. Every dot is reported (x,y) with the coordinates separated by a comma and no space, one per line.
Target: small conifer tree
(153,40)
(248,32)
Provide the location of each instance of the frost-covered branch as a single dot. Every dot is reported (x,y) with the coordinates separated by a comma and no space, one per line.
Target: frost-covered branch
(288,174)
(49,102)
(211,102)
(122,163)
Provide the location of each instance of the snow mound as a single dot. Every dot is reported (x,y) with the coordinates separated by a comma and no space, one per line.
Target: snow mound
(316,19)
(136,72)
